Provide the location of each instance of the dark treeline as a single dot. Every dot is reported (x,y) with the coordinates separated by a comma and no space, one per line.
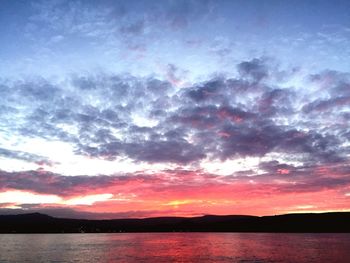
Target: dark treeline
(40,223)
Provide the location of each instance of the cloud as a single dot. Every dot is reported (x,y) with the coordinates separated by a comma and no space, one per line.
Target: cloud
(282,177)
(150,120)
(209,90)
(177,187)
(49,183)
(11,154)
(138,86)
(254,70)
(326,105)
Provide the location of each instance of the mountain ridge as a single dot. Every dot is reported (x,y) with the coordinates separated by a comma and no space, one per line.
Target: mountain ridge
(298,223)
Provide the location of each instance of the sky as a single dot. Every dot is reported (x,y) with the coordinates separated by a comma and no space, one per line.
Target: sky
(123,109)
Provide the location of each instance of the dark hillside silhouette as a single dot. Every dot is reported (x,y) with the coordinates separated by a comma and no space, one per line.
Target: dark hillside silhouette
(40,223)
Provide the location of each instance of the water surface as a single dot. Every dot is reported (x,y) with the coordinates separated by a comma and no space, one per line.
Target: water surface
(175,247)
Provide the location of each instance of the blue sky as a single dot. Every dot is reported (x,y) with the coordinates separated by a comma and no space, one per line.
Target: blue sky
(142,37)
(144,108)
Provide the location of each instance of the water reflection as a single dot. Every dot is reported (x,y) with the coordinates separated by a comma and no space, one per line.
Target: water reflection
(175,247)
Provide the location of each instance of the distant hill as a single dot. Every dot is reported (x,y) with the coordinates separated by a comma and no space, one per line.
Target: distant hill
(316,223)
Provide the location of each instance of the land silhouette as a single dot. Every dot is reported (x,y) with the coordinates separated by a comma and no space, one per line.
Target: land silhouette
(336,222)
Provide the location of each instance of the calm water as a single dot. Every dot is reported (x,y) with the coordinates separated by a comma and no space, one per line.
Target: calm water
(175,247)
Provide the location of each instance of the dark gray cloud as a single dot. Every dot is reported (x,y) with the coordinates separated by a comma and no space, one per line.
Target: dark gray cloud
(326,105)
(276,102)
(44,182)
(209,90)
(147,119)
(277,177)
(11,154)
(254,70)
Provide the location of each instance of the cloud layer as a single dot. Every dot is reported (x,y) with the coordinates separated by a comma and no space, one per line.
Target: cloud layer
(175,108)
(300,136)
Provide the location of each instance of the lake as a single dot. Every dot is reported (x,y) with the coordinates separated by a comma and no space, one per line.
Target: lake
(175,247)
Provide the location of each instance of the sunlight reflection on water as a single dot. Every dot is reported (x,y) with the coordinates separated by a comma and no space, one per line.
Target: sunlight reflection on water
(175,247)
